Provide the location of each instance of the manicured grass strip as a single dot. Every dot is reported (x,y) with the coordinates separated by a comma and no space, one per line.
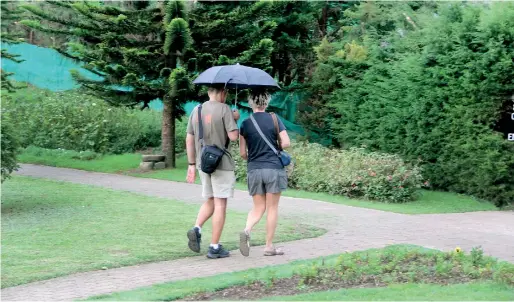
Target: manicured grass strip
(51,229)
(482,291)
(106,163)
(430,202)
(369,259)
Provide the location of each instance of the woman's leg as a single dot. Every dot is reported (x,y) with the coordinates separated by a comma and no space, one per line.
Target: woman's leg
(272,217)
(259,207)
(255,215)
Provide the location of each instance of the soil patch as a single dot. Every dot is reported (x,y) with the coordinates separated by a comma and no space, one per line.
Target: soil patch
(281,287)
(358,272)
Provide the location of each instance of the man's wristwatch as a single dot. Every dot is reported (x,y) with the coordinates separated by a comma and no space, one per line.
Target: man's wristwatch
(192,164)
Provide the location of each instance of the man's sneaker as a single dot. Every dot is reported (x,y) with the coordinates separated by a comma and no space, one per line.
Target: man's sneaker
(220,252)
(195,238)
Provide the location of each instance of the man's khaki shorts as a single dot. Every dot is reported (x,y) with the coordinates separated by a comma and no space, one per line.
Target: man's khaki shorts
(219,184)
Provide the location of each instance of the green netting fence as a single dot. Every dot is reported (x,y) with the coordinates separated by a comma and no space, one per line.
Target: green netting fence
(46,68)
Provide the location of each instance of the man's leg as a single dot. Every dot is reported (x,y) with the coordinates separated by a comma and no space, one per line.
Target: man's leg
(206,211)
(218,219)
(223,187)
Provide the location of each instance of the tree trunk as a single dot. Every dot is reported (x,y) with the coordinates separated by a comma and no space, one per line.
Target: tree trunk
(324,20)
(168,133)
(171,163)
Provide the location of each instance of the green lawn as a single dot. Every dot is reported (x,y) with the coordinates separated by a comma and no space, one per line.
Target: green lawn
(430,202)
(106,163)
(485,291)
(54,228)
(402,261)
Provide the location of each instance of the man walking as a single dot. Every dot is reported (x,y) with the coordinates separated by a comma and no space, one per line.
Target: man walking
(219,128)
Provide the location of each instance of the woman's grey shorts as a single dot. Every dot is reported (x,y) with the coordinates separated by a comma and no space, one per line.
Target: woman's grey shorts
(262,181)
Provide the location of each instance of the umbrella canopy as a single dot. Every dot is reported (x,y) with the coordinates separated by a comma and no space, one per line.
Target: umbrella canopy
(236,76)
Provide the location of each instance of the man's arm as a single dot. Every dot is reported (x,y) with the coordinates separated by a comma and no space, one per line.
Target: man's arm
(229,119)
(190,147)
(233,135)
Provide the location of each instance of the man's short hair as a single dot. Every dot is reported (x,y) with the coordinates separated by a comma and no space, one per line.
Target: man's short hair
(216,88)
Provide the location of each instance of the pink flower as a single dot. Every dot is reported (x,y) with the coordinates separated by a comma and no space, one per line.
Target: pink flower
(389,177)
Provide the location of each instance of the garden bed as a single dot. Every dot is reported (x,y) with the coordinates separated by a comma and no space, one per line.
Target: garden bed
(362,270)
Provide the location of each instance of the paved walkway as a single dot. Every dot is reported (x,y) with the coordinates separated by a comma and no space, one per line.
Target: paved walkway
(350,228)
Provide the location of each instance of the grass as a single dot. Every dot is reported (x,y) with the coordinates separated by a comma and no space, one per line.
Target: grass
(407,257)
(430,202)
(105,163)
(485,291)
(51,229)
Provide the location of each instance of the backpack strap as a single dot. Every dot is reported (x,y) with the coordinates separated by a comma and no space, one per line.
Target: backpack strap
(200,125)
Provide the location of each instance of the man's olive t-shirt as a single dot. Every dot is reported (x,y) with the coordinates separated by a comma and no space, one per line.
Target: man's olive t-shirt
(217,122)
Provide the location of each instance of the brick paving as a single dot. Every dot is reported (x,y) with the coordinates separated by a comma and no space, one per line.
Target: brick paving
(349,229)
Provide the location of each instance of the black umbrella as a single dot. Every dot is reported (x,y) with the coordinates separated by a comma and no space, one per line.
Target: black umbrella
(236,76)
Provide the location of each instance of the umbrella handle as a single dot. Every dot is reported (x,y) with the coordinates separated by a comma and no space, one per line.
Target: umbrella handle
(235,100)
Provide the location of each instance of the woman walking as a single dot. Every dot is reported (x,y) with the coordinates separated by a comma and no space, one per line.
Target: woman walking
(267,178)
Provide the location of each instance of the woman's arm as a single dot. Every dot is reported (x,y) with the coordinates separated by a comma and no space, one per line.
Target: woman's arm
(284,138)
(242,147)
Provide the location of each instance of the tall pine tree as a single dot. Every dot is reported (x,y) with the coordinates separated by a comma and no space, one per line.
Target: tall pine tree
(134,48)
(10,14)
(177,40)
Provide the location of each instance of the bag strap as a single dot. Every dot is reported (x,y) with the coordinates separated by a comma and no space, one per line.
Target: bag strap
(275,122)
(200,125)
(262,135)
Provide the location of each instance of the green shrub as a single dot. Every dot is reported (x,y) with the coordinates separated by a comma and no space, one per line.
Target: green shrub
(74,121)
(180,136)
(505,274)
(441,93)
(240,169)
(9,149)
(61,153)
(150,131)
(355,173)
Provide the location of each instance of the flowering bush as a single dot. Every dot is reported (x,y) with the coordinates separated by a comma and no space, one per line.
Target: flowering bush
(74,121)
(355,173)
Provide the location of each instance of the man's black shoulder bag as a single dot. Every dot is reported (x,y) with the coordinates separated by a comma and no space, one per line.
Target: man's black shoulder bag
(211,155)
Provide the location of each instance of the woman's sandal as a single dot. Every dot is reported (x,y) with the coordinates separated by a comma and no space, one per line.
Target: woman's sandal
(244,243)
(274,252)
